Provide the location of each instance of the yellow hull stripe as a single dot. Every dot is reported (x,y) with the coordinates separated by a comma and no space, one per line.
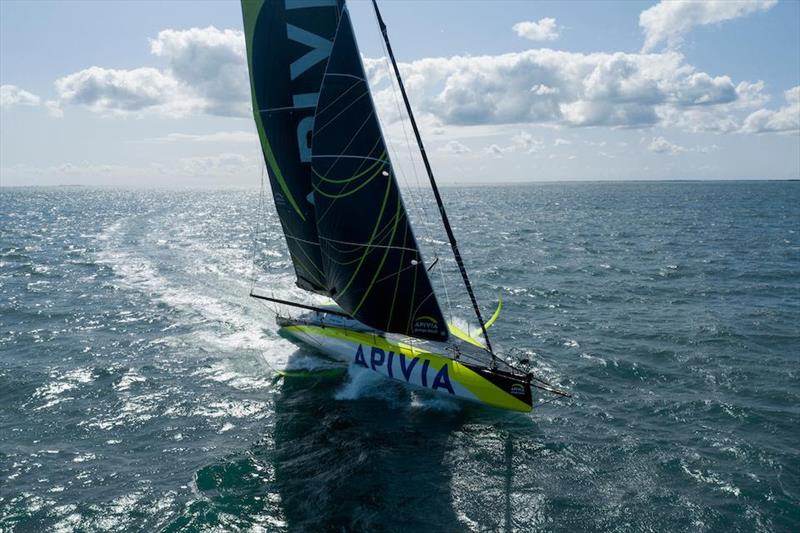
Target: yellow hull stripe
(484,390)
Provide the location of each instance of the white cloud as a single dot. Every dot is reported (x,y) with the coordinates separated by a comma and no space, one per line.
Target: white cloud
(541,90)
(660,145)
(669,20)
(71,172)
(544,30)
(54,108)
(11,95)
(702,89)
(455,147)
(551,87)
(497,151)
(226,164)
(217,137)
(210,61)
(207,74)
(527,142)
(785,119)
(716,119)
(120,91)
(224,168)
(563,88)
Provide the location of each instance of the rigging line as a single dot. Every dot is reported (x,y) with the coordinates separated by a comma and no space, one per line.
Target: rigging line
(357,245)
(338,195)
(408,144)
(383,259)
(411,311)
(397,276)
(283,108)
(361,249)
(320,111)
(364,159)
(306,241)
(368,245)
(342,156)
(360,167)
(287,233)
(262,203)
(295,258)
(348,106)
(345,75)
(387,139)
(259,214)
(418,203)
(372,237)
(434,187)
(355,176)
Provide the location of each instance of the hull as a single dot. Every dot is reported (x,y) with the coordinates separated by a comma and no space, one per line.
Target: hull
(429,365)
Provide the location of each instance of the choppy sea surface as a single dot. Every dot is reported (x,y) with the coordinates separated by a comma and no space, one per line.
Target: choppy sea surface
(138,385)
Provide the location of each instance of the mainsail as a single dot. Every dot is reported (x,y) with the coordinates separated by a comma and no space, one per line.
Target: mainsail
(288,43)
(373,266)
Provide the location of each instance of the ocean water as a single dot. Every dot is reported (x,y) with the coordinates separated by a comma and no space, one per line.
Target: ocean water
(138,386)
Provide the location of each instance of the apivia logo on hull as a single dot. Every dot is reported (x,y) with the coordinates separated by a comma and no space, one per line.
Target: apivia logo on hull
(415,370)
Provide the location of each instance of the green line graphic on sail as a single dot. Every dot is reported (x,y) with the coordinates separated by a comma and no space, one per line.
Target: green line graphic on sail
(381,160)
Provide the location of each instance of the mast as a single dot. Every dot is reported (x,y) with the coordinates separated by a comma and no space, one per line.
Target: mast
(442,212)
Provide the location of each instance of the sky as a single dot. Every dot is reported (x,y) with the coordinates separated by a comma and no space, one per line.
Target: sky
(147,93)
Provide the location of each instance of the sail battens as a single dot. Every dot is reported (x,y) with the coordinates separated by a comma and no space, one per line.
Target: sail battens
(343,75)
(372,263)
(341,156)
(357,245)
(345,93)
(357,175)
(319,127)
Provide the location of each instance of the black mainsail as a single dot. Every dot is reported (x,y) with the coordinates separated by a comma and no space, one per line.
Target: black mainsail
(373,266)
(288,44)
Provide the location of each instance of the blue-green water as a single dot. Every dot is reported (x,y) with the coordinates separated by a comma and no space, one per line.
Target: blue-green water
(138,392)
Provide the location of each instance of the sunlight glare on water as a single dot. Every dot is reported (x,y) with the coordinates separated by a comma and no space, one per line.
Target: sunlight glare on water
(139,392)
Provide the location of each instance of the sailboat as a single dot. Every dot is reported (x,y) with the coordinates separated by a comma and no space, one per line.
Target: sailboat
(342,212)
